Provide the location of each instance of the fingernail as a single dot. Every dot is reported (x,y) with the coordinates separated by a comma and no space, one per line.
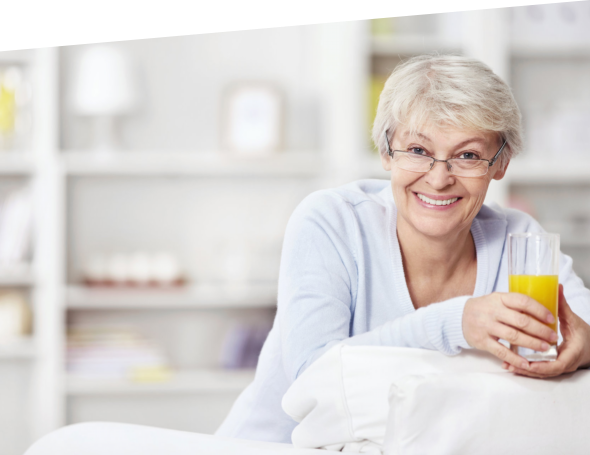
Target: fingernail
(524,365)
(504,366)
(510,368)
(544,346)
(550,319)
(553,336)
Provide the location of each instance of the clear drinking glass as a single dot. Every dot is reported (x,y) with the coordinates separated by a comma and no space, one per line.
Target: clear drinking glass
(533,269)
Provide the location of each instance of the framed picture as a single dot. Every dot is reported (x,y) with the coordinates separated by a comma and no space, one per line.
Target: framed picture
(253,119)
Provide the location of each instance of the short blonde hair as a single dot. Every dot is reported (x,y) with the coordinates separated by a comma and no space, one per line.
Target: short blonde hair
(448,90)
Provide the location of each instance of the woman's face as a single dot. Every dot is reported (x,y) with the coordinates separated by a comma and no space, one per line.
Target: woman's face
(415,192)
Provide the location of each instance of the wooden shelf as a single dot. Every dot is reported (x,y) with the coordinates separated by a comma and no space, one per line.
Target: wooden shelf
(411,45)
(21,277)
(523,170)
(17,349)
(16,163)
(18,57)
(305,164)
(540,49)
(191,381)
(200,296)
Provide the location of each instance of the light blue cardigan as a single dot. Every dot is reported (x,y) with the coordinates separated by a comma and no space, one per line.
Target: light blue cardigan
(341,278)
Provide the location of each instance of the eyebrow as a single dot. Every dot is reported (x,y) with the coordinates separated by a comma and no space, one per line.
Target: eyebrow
(465,142)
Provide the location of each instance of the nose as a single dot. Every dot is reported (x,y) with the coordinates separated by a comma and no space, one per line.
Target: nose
(439,176)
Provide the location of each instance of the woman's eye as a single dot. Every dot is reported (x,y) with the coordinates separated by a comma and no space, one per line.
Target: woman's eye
(417,150)
(469,156)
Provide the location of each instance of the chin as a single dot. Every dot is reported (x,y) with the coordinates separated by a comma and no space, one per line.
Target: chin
(434,228)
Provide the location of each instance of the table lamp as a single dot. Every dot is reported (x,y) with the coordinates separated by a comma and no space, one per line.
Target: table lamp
(103,88)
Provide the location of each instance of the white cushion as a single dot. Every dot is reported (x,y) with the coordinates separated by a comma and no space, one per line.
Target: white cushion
(341,400)
(489,414)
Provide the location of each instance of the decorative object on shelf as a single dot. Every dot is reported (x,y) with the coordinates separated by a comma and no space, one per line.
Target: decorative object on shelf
(569,132)
(237,255)
(15,316)
(138,269)
(103,88)
(16,213)
(242,346)
(115,352)
(15,113)
(552,23)
(384,26)
(253,119)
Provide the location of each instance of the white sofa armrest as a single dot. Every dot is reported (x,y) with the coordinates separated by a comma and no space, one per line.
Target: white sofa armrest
(489,414)
(102,438)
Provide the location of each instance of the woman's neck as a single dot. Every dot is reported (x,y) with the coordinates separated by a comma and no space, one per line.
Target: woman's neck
(437,263)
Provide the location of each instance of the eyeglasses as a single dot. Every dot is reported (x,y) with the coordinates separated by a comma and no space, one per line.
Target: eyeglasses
(461,167)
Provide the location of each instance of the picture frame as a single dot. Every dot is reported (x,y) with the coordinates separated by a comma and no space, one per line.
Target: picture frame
(253,119)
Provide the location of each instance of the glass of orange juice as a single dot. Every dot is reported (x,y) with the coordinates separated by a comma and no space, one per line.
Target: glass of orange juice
(533,270)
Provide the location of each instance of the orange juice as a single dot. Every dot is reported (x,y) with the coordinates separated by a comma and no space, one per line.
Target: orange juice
(543,288)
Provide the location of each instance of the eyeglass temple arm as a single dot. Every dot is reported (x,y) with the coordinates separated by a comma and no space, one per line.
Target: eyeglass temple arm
(498,154)
(387,144)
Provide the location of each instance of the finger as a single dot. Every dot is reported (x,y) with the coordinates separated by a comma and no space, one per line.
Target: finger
(503,353)
(528,373)
(521,322)
(547,369)
(564,310)
(525,304)
(518,338)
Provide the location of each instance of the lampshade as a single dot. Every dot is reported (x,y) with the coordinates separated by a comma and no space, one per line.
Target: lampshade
(103,83)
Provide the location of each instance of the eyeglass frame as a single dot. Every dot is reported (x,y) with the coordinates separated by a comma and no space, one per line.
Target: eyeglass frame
(434,160)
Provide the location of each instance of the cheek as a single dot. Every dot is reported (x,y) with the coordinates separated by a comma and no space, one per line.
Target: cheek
(399,184)
(477,190)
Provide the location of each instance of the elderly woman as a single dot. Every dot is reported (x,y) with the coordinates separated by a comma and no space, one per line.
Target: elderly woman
(417,261)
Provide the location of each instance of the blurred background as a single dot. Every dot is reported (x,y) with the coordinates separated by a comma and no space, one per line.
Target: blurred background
(145,187)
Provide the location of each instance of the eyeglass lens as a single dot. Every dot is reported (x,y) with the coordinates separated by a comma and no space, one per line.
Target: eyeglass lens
(419,163)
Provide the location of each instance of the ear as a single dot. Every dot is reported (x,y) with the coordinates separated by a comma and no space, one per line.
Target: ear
(386,161)
(499,175)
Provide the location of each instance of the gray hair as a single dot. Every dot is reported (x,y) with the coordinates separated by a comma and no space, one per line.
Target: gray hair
(448,90)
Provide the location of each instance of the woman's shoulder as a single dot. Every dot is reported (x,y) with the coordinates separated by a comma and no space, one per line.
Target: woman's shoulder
(351,194)
(344,207)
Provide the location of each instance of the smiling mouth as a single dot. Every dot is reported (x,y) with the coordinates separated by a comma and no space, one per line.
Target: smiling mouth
(436,201)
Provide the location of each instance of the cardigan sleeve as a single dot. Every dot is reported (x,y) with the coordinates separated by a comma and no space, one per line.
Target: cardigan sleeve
(317,292)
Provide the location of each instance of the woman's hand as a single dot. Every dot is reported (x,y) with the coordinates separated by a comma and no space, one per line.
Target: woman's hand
(573,352)
(512,317)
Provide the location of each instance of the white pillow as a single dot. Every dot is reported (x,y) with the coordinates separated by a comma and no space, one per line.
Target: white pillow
(341,400)
(487,414)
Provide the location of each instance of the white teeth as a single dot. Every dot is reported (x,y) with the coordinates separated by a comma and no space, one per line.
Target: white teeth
(436,202)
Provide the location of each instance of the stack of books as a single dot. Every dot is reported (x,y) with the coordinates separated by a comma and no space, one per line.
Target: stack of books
(114,352)
(15,232)
(242,346)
